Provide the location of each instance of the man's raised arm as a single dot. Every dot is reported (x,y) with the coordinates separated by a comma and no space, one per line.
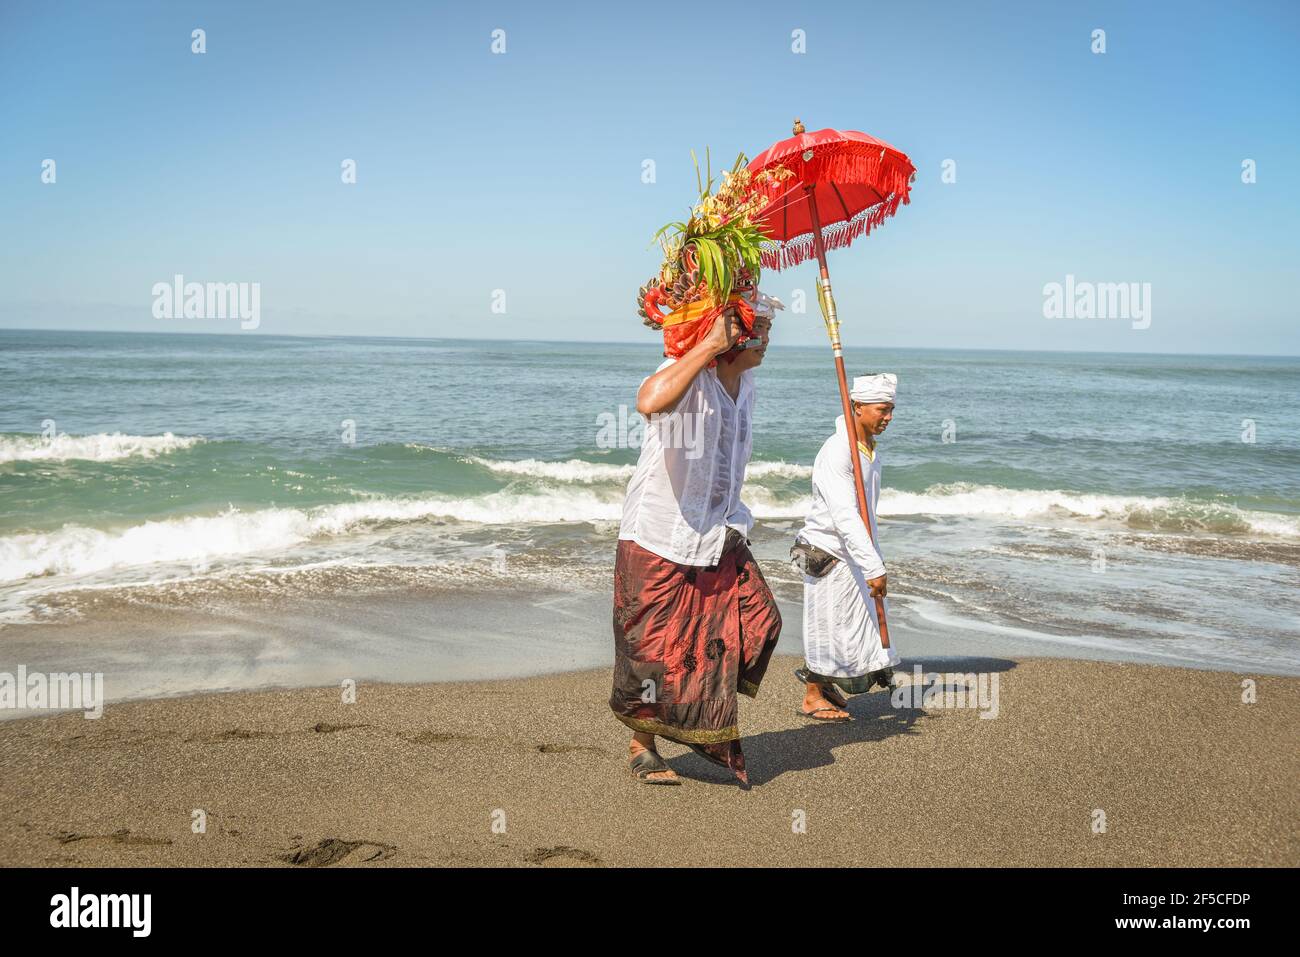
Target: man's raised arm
(662,391)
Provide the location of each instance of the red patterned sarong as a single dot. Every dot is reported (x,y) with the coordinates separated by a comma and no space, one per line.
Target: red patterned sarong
(686,639)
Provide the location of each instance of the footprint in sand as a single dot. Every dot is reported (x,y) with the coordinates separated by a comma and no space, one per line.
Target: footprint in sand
(562,856)
(326,728)
(123,836)
(331,850)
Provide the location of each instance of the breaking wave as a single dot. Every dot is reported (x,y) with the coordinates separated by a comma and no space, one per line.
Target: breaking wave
(1173,514)
(79,549)
(105,447)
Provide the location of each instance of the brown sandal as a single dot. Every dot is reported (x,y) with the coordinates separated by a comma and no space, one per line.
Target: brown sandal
(816,711)
(835,696)
(830,692)
(646,763)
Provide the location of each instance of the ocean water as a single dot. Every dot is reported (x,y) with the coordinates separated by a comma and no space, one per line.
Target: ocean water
(1123,502)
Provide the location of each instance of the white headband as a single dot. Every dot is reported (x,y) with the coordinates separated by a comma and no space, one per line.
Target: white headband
(765,306)
(874,388)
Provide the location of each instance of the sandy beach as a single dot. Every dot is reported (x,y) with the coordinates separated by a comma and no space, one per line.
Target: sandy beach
(533,772)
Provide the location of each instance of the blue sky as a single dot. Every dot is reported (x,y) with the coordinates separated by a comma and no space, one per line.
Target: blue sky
(522,171)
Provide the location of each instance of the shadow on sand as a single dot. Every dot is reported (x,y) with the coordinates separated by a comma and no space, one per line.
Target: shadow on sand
(810,744)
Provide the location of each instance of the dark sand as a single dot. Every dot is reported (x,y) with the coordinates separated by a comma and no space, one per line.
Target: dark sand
(1186,774)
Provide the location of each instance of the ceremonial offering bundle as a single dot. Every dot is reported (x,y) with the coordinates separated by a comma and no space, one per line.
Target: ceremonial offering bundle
(711,261)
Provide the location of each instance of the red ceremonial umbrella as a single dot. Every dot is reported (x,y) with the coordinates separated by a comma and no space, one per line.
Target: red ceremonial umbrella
(845,184)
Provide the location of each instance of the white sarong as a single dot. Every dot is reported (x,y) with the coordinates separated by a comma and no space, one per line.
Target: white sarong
(841,636)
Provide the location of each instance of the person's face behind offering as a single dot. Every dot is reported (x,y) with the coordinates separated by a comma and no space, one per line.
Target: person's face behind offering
(749,358)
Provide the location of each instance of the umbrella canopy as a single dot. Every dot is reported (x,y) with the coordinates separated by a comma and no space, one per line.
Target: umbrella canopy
(857,180)
(835,186)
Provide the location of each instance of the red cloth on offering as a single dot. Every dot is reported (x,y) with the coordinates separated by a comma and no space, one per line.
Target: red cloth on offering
(681,337)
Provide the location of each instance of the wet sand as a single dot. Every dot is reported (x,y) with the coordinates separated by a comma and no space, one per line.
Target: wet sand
(221,637)
(532,772)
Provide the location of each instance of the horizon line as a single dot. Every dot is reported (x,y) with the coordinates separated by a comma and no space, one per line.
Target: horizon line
(609,342)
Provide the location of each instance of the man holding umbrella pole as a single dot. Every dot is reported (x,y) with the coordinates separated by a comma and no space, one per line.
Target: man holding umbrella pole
(844,574)
(839,186)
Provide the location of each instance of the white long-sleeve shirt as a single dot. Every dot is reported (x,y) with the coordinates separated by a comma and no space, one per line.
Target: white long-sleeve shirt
(685,491)
(834,523)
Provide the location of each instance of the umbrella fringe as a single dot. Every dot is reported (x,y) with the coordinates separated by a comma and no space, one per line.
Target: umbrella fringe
(778,256)
(888,172)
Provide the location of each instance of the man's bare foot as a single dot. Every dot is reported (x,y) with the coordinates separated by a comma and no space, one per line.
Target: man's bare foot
(646,742)
(814,699)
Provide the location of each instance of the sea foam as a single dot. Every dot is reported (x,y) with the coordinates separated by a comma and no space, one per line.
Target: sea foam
(594,473)
(105,447)
(79,550)
(200,539)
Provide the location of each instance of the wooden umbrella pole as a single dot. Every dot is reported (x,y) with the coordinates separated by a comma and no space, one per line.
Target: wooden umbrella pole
(827,303)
